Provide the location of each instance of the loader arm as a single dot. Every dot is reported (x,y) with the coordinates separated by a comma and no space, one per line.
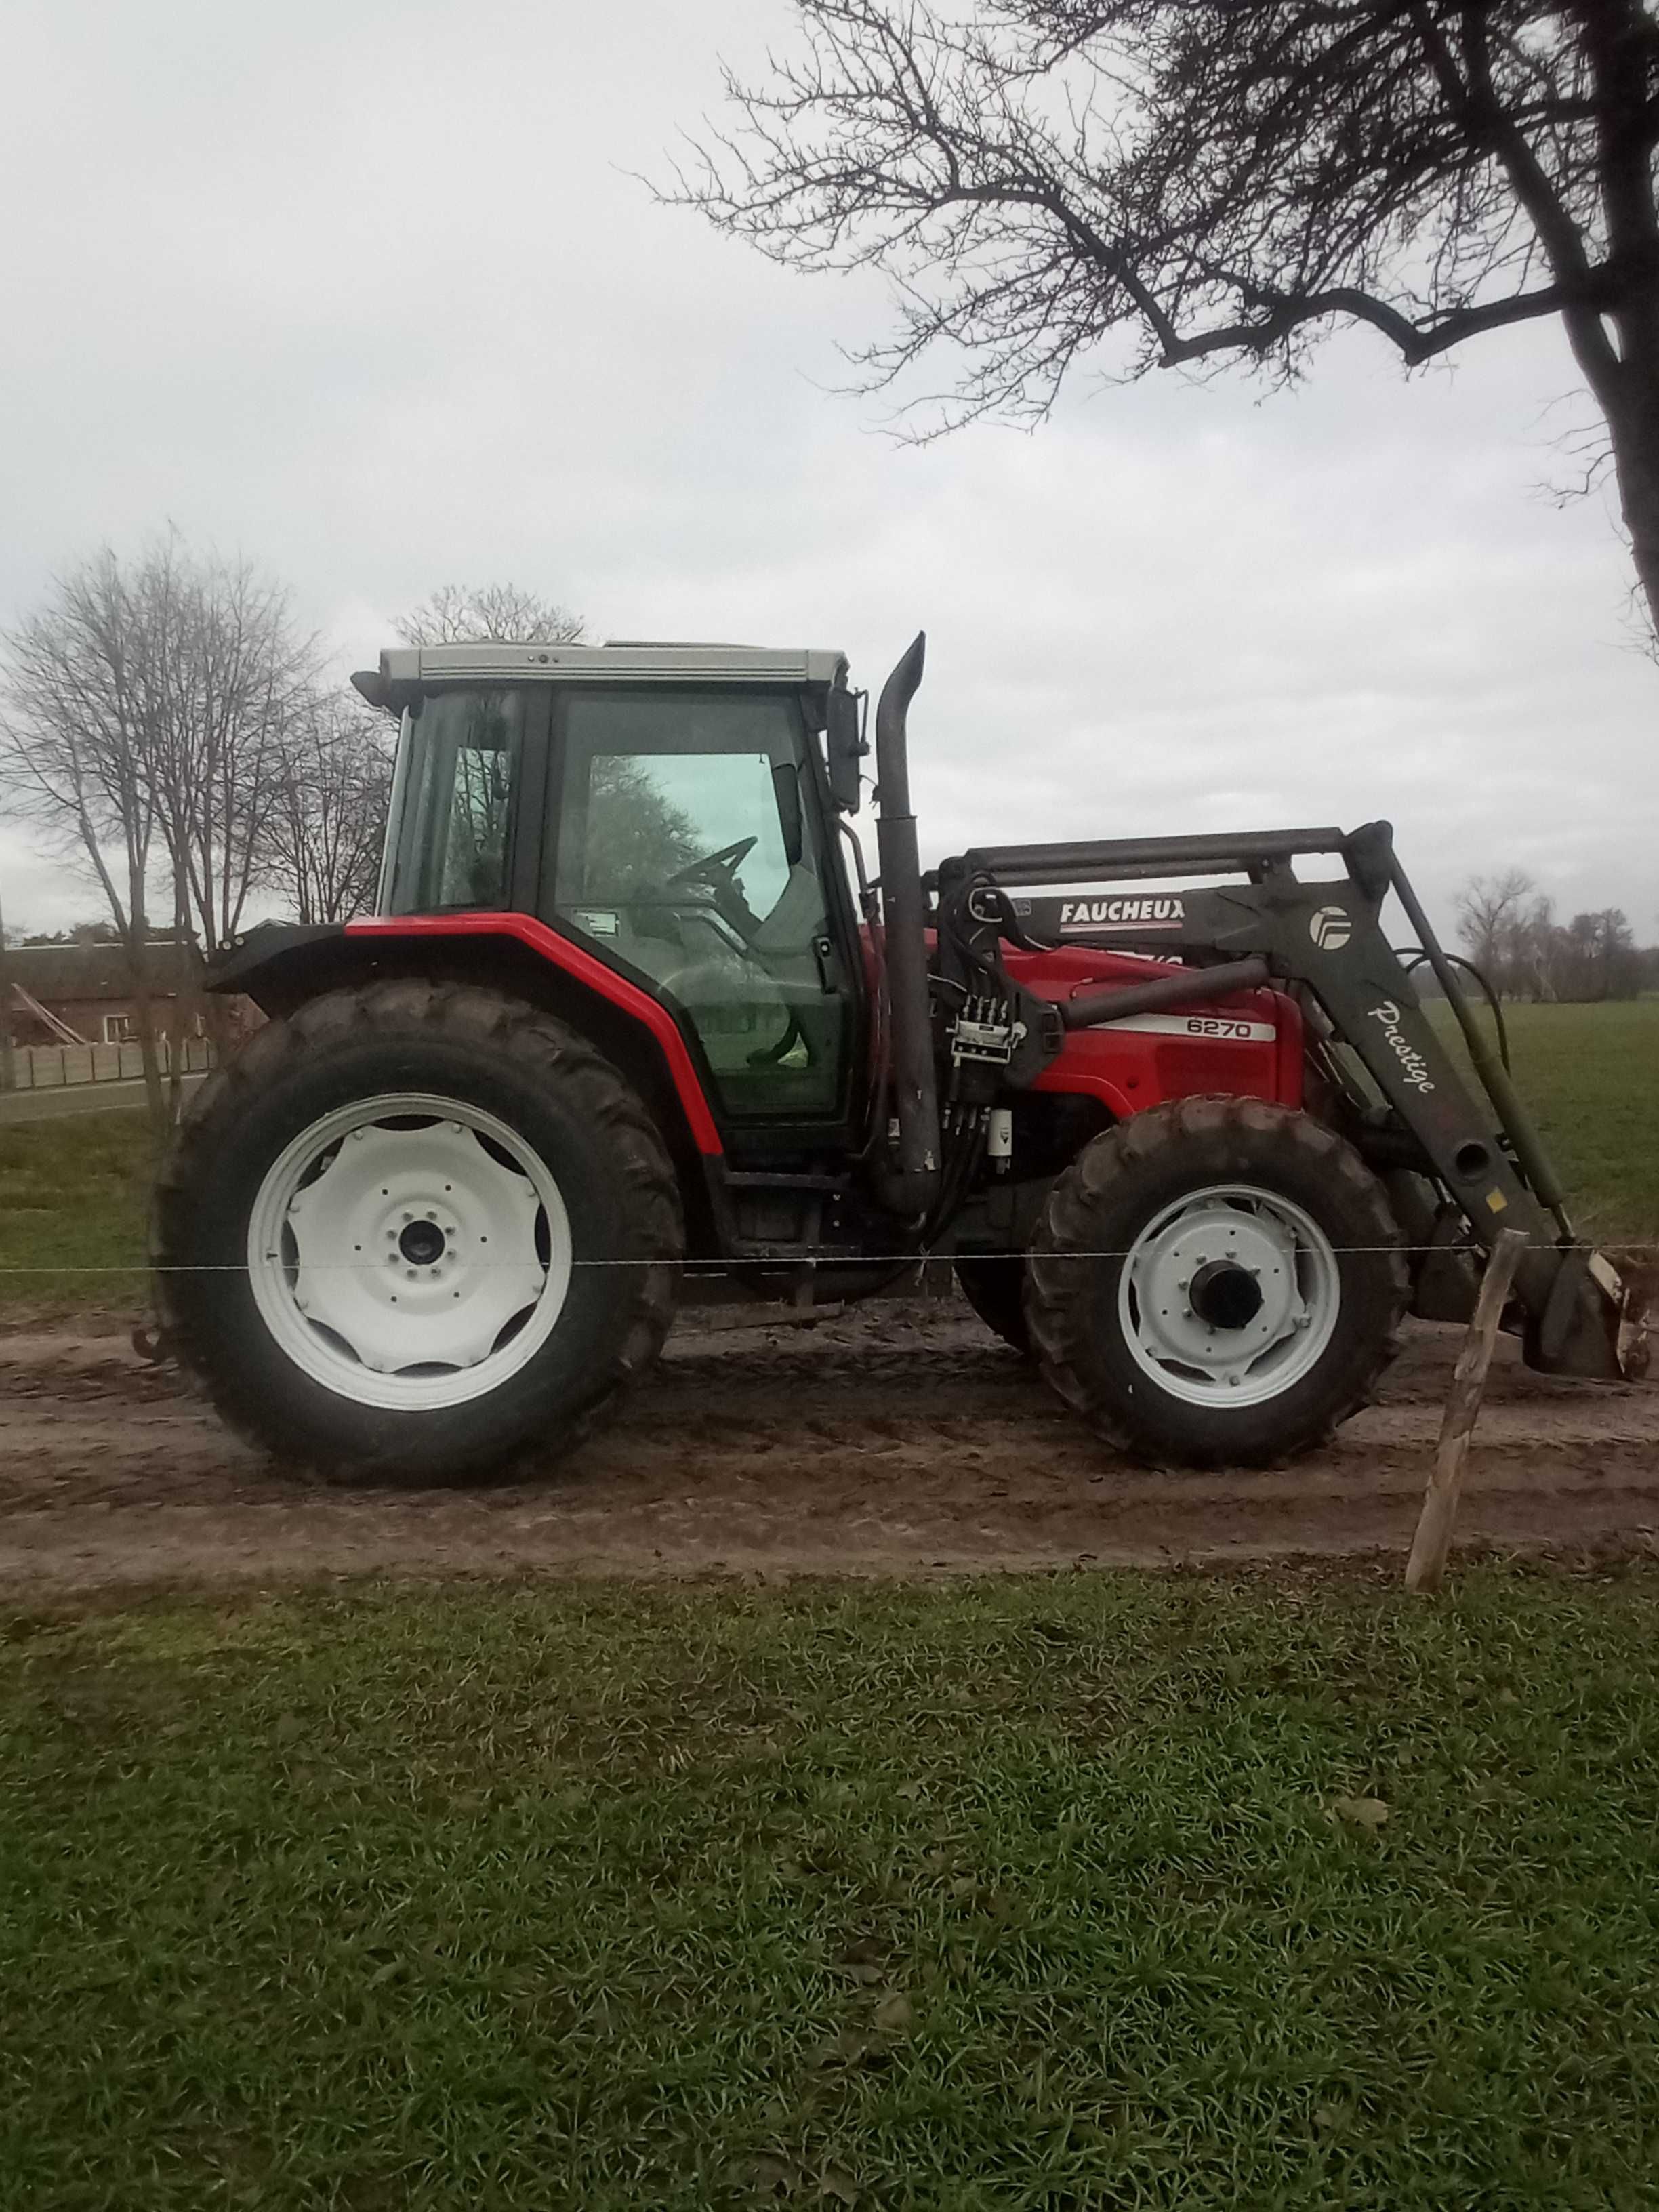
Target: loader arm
(1326,937)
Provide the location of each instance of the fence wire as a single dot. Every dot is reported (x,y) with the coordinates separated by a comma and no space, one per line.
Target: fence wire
(1620,1247)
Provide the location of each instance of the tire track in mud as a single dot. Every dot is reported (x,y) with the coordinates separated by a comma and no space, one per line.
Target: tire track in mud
(900,1439)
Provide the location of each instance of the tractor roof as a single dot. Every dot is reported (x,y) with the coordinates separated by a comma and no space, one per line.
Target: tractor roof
(624,662)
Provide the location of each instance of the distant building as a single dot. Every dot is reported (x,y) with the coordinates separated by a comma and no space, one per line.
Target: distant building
(82,993)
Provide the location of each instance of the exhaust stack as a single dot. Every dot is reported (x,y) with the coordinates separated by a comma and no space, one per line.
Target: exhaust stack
(910,1182)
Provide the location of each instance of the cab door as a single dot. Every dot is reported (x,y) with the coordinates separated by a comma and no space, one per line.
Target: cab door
(687,840)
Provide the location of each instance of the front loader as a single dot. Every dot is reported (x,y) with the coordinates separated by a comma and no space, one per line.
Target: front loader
(629,1025)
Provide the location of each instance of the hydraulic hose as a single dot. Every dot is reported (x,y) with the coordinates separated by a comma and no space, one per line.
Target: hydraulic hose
(1090,1008)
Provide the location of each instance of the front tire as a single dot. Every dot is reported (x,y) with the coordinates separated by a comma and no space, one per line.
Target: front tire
(417,1231)
(1217,1282)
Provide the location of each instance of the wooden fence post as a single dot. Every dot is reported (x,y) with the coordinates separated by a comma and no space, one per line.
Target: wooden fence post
(1427,1564)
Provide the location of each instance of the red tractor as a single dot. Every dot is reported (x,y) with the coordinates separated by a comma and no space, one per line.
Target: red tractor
(629,1026)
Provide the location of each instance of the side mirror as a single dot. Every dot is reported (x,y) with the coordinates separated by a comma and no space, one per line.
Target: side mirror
(846,746)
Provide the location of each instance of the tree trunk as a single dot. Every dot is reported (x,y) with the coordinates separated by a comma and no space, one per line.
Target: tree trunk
(8,1066)
(134,927)
(1618,349)
(1634,428)
(220,1035)
(143,1007)
(178,1011)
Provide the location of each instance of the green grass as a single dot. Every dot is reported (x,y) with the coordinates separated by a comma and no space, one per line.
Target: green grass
(1012,1894)
(74,1193)
(1590,1075)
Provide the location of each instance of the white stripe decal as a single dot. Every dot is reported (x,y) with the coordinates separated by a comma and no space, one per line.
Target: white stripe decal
(1231,1029)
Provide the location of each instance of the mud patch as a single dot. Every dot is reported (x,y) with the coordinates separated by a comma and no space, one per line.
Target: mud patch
(893,1440)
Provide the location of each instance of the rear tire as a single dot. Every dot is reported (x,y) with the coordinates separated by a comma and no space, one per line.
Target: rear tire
(512,1155)
(995,1288)
(1217,1282)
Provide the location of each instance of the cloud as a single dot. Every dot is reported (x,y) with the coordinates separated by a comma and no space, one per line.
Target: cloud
(372,294)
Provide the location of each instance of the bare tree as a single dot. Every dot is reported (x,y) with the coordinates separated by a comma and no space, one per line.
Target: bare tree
(146,711)
(1513,937)
(1488,909)
(235,684)
(1598,956)
(77,728)
(324,834)
(1221,178)
(462,614)
(1531,969)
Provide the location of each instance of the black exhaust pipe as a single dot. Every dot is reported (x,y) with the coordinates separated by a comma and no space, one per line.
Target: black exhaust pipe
(910,1182)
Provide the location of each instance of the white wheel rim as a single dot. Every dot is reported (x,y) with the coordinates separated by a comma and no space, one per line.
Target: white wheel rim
(402,1262)
(1248,1243)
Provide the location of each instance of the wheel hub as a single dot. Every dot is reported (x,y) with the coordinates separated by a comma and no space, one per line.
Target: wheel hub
(1222,1295)
(422,1242)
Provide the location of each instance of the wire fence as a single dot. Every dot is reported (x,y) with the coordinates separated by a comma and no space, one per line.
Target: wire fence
(1615,1247)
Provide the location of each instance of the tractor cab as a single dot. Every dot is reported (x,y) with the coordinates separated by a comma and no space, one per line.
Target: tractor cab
(667,808)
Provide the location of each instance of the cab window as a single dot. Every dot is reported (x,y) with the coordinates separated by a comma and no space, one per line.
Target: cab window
(684,849)
(462,751)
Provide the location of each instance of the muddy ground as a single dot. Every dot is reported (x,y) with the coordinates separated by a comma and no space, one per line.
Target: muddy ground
(897,1439)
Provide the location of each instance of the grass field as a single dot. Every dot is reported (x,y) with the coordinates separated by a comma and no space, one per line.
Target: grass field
(74,1195)
(1590,1075)
(73,1192)
(1093,1892)
(1010,1895)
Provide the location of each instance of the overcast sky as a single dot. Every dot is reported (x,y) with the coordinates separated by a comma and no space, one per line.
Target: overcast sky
(366,290)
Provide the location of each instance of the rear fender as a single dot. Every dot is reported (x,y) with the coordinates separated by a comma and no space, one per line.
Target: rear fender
(281,966)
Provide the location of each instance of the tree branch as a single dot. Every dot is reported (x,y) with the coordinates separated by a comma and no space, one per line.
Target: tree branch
(1415,342)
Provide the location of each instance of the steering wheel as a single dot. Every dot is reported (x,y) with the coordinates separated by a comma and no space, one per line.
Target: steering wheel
(726,862)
